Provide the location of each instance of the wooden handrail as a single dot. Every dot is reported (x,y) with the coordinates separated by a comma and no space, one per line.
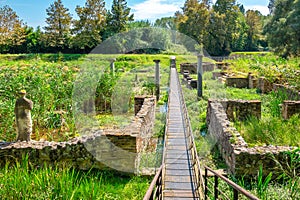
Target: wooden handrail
(149,194)
(232,184)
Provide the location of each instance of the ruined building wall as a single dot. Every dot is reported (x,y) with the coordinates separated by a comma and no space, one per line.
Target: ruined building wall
(241,159)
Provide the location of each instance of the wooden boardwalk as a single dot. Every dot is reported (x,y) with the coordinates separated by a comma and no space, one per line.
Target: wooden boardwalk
(178,174)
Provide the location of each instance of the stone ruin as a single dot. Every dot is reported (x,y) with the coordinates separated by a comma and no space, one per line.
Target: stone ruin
(290,108)
(241,159)
(116,149)
(192,67)
(263,85)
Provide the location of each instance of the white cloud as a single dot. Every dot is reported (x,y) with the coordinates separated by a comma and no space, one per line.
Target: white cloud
(262,9)
(153,9)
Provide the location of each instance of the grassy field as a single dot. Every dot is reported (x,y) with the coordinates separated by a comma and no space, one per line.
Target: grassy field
(23,182)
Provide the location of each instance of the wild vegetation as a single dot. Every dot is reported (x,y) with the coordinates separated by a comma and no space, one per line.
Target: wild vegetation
(274,68)
(25,182)
(49,82)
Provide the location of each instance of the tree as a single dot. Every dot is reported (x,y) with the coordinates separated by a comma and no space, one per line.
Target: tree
(228,11)
(118,18)
(166,22)
(139,24)
(283,28)
(253,20)
(89,25)
(193,21)
(59,23)
(240,37)
(12,30)
(216,37)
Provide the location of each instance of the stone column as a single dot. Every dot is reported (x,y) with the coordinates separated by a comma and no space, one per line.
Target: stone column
(199,73)
(173,62)
(23,109)
(157,79)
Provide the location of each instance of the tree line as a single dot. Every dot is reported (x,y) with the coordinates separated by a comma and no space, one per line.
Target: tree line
(220,28)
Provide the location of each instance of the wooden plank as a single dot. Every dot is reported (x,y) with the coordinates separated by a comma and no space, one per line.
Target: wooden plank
(178,186)
(179,193)
(174,172)
(178,179)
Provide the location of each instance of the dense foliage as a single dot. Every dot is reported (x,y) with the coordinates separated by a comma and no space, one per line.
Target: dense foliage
(220,28)
(283,27)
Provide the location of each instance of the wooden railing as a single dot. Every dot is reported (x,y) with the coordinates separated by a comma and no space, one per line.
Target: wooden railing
(155,189)
(219,194)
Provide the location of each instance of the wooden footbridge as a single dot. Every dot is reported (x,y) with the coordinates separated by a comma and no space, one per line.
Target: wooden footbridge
(180,175)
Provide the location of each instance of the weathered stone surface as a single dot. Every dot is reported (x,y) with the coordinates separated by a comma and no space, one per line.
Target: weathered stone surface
(291,92)
(252,81)
(237,82)
(241,110)
(241,159)
(290,108)
(102,149)
(23,109)
(192,67)
(264,85)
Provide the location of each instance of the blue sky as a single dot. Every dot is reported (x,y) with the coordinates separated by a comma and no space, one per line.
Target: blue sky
(33,12)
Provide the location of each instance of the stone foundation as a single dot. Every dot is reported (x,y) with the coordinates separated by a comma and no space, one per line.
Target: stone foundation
(241,159)
(116,149)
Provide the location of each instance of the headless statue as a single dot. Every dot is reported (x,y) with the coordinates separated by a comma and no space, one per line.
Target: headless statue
(23,109)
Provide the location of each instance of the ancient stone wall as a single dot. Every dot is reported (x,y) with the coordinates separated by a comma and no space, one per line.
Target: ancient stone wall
(290,108)
(192,67)
(264,85)
(237,82)
(241,159)
(261,83)
(241,110)
(103,149)
(292,93)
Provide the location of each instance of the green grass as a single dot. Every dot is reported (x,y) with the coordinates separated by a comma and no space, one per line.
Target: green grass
(274,68)
(23,182)
(271,129)
(49,82)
